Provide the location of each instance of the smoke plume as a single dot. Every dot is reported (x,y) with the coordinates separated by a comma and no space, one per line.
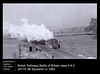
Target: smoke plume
(27,31)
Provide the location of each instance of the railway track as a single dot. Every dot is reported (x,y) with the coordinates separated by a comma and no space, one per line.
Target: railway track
(52,53)
(60,53)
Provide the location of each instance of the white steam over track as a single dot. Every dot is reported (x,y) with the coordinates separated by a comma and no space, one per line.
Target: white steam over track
(27,31)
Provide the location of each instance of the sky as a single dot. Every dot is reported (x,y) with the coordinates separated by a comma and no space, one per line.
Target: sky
(54,16)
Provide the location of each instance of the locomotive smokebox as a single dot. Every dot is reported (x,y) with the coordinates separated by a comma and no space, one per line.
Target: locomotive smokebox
(54,43)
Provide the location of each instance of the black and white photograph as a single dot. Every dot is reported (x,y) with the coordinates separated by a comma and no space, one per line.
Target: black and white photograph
(49,31)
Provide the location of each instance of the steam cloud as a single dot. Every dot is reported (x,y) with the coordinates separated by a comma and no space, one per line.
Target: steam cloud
(27,31)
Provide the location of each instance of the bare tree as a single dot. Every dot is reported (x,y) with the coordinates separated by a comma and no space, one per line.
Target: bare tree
(92,26)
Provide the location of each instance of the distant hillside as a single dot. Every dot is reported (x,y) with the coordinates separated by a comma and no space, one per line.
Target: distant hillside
(88,30)
(72,30)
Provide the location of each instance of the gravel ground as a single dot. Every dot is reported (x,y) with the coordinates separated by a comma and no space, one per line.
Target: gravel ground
(83,45)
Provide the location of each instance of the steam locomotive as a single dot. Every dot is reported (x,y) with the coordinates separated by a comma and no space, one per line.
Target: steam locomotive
(33,45)
(36,45)
(53,42)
